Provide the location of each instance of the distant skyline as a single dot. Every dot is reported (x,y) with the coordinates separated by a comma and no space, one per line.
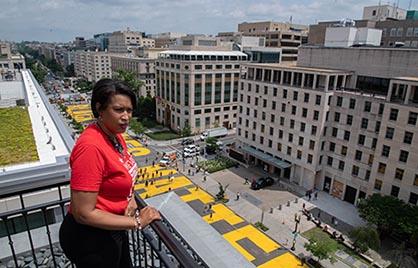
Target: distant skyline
(63,20)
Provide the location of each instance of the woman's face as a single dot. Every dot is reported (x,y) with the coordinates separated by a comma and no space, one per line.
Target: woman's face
(117,114)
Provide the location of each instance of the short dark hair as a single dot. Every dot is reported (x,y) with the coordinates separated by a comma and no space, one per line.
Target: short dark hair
(104,89)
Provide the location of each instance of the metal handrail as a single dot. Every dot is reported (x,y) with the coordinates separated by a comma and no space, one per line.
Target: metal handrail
(173,244)
(162,240)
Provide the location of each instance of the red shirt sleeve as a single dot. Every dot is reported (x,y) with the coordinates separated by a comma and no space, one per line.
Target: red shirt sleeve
(87,168)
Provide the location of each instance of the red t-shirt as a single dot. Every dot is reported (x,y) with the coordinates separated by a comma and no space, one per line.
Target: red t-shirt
(96,166)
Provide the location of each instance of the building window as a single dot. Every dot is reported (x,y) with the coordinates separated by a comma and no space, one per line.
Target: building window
(318,99)
(300,141)
(329,161)
(344,150)
(412,118)
(304,112)
(364,123)
(403,156)
(316,115)
(283,107)
(352,103)
(413,197)
(393,114)
(416,180)
(331,146)
(293,109)
(309,160)
(311,144)
(377,127)
(302,127)
(385,151)
(341,165)
(358,155)
(313,130)
(408,137)
(381,168)
(367,106)
(284,94)
(389,133)
(306,97)
(399,174)
(378,185)
(337,117)
(295,95)
(361,139)
(280,134)
(290,137)
(289,150)
(299,154)
(334,132)
(339,101)
(394,191)
(349,119)
(281,120)
(347,135)
(355,170)
(279,147)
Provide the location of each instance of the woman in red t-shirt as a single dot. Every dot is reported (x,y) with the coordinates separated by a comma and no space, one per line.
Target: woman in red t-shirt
(102,208)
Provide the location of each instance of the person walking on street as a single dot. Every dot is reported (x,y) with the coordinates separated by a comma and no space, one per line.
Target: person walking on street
(316,196)
(238,195)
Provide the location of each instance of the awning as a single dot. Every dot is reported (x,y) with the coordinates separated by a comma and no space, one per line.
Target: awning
(266,158)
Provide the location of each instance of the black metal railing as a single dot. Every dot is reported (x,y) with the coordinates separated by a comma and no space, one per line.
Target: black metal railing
(158,245)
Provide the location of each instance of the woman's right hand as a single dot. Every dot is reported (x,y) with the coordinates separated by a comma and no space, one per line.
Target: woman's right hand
(148,215)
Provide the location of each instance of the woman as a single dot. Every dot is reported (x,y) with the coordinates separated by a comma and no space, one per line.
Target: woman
(102,208)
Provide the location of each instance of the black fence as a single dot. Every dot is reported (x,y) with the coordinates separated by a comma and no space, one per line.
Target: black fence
(158,245)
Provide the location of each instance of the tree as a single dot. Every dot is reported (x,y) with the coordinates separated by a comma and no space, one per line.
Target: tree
(136,126)
(386,212)
(186,131)
(146,108)
(320,249)
(69,70)
(129,78)
(211,145)
(220,196)
(84,85)
(365,237)
(402,257)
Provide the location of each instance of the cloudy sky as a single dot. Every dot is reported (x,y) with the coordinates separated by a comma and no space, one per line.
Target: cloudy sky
(62,20)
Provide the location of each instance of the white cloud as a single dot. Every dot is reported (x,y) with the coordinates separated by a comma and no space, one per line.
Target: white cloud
(62,20)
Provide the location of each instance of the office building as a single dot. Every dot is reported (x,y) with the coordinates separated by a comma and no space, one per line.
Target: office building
(126,41)
(343,120)
(198,88)
(92,65)
(286,36)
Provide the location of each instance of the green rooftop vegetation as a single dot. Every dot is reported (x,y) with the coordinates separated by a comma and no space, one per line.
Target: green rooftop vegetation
(17,144)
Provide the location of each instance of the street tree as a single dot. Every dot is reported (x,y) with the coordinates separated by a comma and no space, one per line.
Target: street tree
(365,237)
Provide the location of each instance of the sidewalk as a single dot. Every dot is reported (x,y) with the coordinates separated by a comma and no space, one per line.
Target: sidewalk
(280,232)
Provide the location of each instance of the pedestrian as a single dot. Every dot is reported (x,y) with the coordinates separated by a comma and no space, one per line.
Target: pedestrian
(146,183)
(188,171)
(171,178)
(246,181)
(140,170)
(332,220)
(146,160)
(319,214)
(238,195)
(153,163)
(303,206)
(309,196)
(211,215)
(197,188)
(169,189)
(316,196)
(204,178)
(161,173)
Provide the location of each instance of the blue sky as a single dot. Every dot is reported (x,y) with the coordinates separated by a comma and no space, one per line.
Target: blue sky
(62,20)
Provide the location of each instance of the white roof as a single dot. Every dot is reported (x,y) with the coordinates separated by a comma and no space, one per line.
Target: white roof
(204,52)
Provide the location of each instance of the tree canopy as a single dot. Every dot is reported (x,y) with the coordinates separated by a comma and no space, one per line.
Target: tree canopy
(320,249)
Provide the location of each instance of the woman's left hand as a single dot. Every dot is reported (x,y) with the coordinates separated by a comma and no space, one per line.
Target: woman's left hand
(131,208)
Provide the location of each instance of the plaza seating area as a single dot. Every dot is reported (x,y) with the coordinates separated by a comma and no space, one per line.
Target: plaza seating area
(252,243)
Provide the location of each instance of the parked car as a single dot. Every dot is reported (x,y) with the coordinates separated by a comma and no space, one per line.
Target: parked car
(191,150)
(261,183)
(187,141)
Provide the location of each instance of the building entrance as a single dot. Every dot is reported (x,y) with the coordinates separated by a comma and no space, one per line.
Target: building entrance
(350,194)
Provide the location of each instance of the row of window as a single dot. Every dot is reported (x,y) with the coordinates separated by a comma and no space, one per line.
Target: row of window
(413,197)
(399,32)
